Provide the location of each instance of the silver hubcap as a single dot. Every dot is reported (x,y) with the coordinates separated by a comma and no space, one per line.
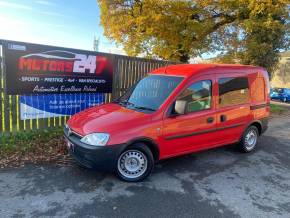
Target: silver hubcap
(132,164)
(251,139)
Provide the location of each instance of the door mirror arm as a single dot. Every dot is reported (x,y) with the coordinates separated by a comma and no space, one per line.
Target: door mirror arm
(173,115)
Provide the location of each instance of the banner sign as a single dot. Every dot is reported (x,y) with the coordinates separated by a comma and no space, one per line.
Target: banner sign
(42,69)
(55,105)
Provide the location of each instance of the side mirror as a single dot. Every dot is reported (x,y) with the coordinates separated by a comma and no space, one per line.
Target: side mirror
(180,107)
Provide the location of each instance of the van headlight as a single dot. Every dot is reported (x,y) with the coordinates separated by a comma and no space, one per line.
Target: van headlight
(96,139)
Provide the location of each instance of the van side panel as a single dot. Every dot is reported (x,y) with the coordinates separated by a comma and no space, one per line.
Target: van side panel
(260,99)
(258,91)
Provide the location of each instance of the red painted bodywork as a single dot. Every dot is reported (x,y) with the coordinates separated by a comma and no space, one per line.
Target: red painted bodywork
(126,125)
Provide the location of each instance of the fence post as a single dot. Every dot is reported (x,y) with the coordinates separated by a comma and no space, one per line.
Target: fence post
(5,121)
(116,78)
(1,90)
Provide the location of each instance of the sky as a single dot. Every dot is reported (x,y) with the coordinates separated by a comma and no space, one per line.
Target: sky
(65,23)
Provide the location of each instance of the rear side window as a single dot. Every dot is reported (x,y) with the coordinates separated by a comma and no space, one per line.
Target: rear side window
(198,96)
(233,91)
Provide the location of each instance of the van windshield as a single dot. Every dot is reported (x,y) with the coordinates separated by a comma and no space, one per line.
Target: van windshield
(149,93)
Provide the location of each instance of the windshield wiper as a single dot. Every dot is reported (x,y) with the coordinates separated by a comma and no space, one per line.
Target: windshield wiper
(124,103)
(127,103)
(144,108)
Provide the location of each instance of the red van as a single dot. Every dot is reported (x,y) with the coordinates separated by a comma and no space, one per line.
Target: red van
(173,111)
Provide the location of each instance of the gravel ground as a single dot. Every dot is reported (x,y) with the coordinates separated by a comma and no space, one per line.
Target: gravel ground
(216,183)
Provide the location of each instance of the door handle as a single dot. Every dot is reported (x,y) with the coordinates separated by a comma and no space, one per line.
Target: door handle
(209,119)
(223,118)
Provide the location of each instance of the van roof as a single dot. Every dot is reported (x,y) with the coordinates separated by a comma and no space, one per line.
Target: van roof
(187,70)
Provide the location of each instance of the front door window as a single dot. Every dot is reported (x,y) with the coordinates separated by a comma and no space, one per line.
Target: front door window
(198,96)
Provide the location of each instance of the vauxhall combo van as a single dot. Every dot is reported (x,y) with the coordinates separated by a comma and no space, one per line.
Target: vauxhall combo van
(173,111)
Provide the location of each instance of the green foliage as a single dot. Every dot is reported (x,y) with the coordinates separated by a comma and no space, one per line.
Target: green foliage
(277,109)
(246,31)
(266,32)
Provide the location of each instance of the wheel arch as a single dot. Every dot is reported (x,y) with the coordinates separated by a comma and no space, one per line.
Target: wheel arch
(258,124)
(152,145)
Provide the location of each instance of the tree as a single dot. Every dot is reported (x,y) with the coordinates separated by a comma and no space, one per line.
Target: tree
(246,31)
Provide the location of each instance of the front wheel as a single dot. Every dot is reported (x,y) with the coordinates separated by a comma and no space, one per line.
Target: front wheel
(135,163)
(249,139)
(284,99)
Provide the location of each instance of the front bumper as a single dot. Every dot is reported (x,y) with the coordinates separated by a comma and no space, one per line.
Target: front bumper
(275,97)
(94,157)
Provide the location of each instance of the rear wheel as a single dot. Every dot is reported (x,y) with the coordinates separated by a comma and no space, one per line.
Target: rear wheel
(135,163)
(285,99)
(249,139)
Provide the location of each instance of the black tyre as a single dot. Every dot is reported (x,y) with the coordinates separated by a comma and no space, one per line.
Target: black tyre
(249,139)
(135,163)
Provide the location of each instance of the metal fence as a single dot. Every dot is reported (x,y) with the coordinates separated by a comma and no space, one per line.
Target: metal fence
(127,71)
